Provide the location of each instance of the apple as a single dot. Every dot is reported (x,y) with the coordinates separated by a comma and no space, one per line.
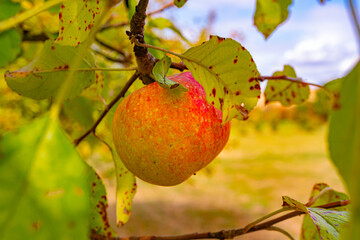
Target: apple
(163,136)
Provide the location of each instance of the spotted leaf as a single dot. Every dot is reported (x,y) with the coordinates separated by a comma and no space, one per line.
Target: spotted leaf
(269,14)
(76,19)
(99,222)
(43,77)
(327,222)
(228,74)
(286,92)
(309,230)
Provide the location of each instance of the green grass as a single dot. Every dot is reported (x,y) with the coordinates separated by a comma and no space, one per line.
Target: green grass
(245,182)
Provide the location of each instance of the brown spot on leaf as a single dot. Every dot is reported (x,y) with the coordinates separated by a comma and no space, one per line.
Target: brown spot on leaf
(214,92)
(226,91)
(238,92)
(251,79)
(235,61)
(293,94)
(257,86)
(272,88)
(288,100)
(211,67)
(220,39)
(52,48)
(221,101)
(252,88)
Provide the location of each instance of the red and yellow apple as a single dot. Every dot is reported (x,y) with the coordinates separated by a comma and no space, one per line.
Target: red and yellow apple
(164,136)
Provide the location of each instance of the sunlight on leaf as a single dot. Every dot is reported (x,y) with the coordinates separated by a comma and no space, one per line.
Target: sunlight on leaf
(44,187)
(344,142)
(43,77)
(286,92)
(269,14)
(228,74)
(77,18)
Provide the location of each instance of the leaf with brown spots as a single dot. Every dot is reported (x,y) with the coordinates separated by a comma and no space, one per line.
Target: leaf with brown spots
(228,74)
(269,14)
(43,77)
(286,92)
(76,19)
(327,222)
(125,186)
(99,222)
(309,230)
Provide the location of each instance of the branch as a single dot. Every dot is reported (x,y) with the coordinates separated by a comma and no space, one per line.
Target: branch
(225,234)
(290,79)
(179,66)
(108,107)
(144,59)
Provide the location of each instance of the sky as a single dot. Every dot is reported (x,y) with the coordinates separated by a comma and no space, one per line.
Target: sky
(318,40)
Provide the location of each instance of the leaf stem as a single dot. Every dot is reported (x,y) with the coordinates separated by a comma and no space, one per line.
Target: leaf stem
(86,70)
(13,21)
(108,107)
(321,193)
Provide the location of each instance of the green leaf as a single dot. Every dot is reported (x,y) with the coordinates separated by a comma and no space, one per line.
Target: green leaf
(269,14)
(228,74)
(179,3)
(160,70)
(328,222)
(286,92)
(99,222)
(130,6)
(163,23)
(10,42)
(8,9)
(344,142)
(125,186)
(44,187)
(43,77)
(325,101)
(80,110)
(308,229)
(76,19)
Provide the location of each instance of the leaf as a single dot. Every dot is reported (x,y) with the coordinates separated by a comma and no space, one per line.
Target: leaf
(99,222)
(43,77)
(76,19)
(125,186)
(325,102)
(269,14)
(344,142)
(327,222)
(163,23)
(44,187)
(228,74)
(179,3)
(80,110)
(10,42)
(160,70)
(8,9)
(308,229)
(286,92)
(130,6)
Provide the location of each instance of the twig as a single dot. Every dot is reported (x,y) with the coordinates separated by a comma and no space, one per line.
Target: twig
(225,234)
(355,19)
(281,231)
(108,107)
(108,46)
(179,66)
(290,79)
(166,6)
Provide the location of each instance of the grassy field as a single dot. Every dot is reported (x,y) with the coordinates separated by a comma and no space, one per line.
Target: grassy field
(245,182)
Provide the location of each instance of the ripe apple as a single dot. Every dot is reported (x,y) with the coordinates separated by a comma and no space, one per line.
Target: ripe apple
(164,136)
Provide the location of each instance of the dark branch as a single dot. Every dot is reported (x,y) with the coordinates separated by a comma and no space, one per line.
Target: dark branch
(166,6)
(179,66)
(144,59)
(224,234)
(108,107)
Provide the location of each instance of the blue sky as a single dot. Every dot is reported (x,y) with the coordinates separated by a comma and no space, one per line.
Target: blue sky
(317,40)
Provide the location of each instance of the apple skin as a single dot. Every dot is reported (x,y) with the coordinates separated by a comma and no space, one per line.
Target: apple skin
(164,136)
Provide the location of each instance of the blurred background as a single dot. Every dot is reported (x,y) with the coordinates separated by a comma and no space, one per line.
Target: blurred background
(278,151)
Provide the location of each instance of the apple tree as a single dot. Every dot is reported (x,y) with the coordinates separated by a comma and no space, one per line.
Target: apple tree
(100,66)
